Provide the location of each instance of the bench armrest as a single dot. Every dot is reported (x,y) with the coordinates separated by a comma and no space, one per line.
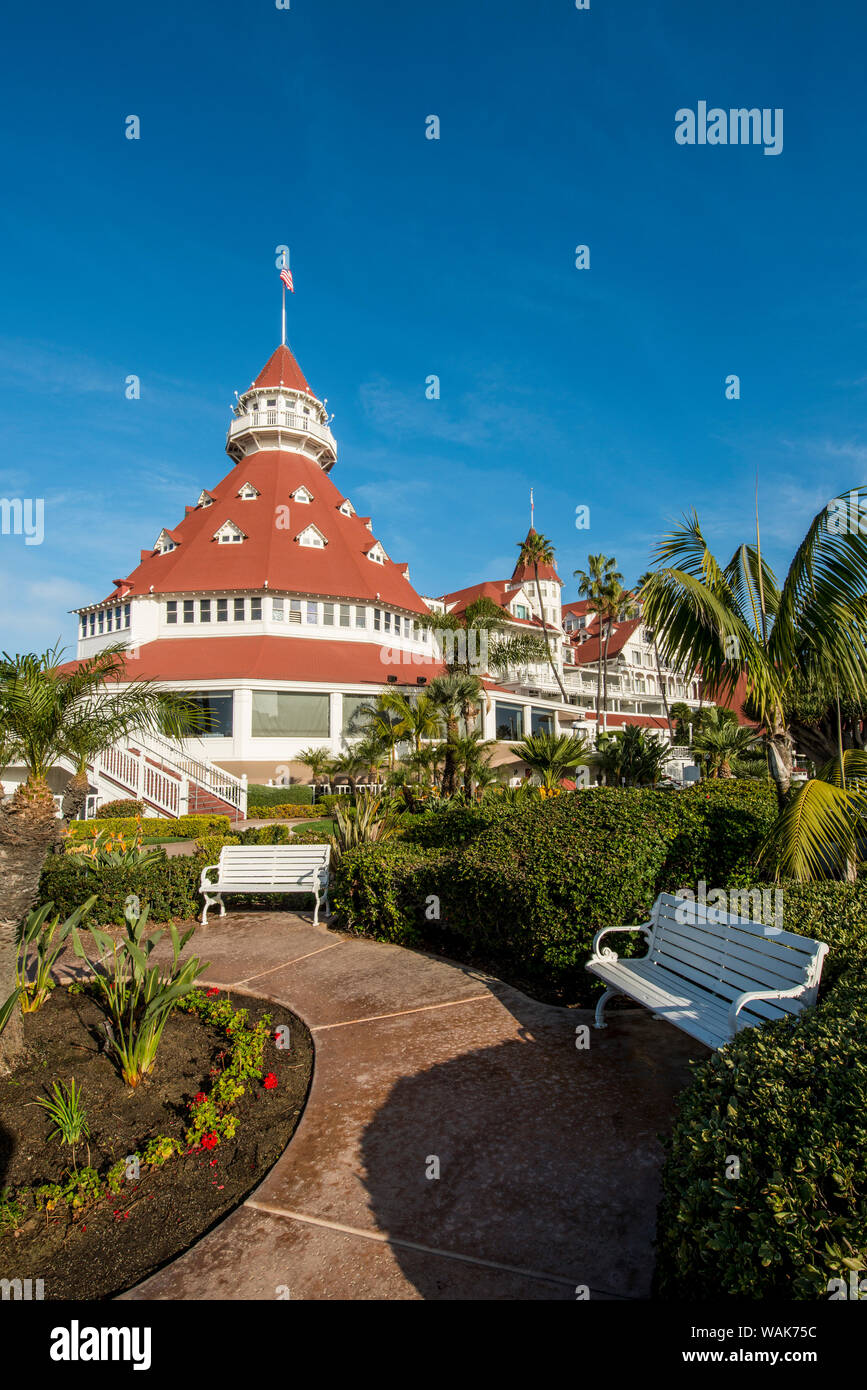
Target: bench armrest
(749,995)
(204,881)
(606,953)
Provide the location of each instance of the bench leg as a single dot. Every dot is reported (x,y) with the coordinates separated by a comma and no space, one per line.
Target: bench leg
(600,1007)
(212,900)
(316,908)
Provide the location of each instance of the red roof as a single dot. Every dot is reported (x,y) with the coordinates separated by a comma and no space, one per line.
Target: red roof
(272,658)
(526,571)
(272,522)
(281,369)
(584,652)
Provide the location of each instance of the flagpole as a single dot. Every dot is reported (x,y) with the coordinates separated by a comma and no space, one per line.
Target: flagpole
(283,337)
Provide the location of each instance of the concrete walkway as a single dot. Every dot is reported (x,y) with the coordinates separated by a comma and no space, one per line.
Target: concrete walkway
(547,1156)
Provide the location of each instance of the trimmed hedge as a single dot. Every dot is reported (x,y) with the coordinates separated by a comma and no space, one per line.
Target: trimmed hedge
(110,810)
(789,1101)
(300,794)
(284,812)
(184,828)
(525,888)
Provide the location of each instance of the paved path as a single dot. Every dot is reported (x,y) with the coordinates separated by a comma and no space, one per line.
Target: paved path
(548,1156)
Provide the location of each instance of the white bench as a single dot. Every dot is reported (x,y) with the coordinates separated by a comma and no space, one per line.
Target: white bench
(267,869)
(711,973)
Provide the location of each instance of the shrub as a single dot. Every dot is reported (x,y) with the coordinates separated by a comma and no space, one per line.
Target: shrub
(210,845)
(299,795)
(154,827)
(266,835)
(312,835)
(525,887)
(110,810)
(789,1100)
(283,811)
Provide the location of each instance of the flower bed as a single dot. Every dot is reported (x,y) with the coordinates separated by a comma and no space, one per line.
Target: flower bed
(160,1164)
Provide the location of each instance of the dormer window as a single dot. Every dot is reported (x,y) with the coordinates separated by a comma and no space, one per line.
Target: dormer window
(205,500)
(248,492)
(301,494)
(377,554)
(346,508)
(229,534)
(164,543)
(312,536)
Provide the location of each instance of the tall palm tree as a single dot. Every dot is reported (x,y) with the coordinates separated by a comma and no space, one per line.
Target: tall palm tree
(53,713)
(482,640)
(593,584)
(456,697)
(537,550)
(616,603)
(380,719)
(721,739)
(640,586)
(737,621)
(470,757)
(552,755)
(317,759)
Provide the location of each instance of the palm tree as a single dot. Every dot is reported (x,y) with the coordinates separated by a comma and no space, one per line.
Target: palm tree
(615,603)
(52,714)
(640,586)
(552,755)
(482,640)
(469,757)
(593,585)
(317,759)
(820,831)
(456,698)
(381,719)
(737,621)
(633,758)
(721,739)
(537,550)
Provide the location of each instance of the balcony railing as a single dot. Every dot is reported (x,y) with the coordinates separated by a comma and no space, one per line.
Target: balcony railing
(279,419)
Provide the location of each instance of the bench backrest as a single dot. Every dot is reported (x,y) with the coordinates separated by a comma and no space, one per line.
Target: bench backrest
(727,954)
(271,864)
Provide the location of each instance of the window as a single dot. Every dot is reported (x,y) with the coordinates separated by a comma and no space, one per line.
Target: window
(377,619)
(109,619)
(521,611)
(311,536)
(542,721)
(172,611)
(360,616)
(189,610)
(301,494)
(508,720)
(101,620)
(376,553)
(247,493)
(217,706)
(228,533)
(295,610)
(222,610)
(255,610)
(239,610)
(387,622)
(204,610)
(290,714)
(344,615)
(92,624)
(353,723)
(272,404)
(328,614)
(312,612)
(277,609)
(117,616)
(82,626)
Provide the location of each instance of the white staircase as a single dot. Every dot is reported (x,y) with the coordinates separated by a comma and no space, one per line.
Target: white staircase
(168,780)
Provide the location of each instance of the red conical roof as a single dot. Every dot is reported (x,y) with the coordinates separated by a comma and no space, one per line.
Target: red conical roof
(281,369)
(271,523)
(525,572)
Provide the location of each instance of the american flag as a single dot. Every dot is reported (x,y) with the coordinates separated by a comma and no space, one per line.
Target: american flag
(286,277)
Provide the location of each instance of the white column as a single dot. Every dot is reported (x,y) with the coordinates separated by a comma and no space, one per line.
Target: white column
(243,724)
(335,720)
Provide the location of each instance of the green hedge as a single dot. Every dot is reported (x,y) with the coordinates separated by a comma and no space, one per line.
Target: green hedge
(110,810)
(156,827)
(299,795)
(789,1101)
(525,888)
(283,811)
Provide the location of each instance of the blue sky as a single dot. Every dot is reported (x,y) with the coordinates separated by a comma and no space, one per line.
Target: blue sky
(602,387)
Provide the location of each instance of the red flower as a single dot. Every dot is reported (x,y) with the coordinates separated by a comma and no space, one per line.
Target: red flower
(270,1081)
(199,1097)
(209,993)
(209,1141)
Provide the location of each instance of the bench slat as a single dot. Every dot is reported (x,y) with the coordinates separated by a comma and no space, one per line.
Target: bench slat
(724,963)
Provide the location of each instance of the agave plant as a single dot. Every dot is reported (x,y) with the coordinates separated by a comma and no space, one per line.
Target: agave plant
(138,997)
(110,849)
(552,755)
(372,819)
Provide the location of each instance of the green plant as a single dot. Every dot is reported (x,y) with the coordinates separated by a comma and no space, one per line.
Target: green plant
(153,827)
(65,1108)
(123,808)
(49,939)
(371,821)
(111,849)
(280,810)
(551,755)
(210,845)
(138,997)
(299,794)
